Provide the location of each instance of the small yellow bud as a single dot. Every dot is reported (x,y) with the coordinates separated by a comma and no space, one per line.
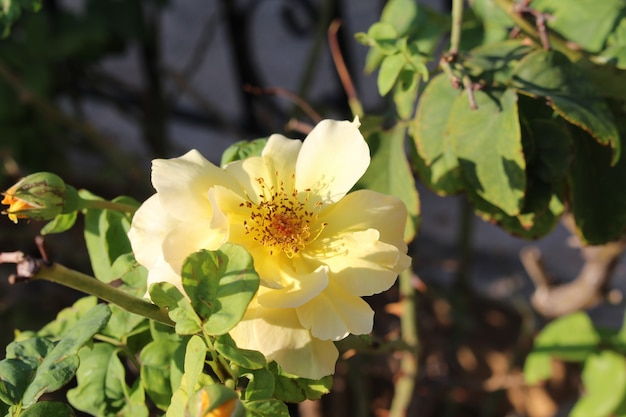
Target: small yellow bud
(39,196)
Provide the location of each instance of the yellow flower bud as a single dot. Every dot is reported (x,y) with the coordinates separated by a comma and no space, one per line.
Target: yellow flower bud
(39,196)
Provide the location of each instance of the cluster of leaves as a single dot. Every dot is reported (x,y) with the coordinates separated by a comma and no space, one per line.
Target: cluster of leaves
(544,119)
(601,351)
(123,362)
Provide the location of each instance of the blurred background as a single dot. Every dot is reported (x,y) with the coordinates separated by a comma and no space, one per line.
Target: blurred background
(93,90)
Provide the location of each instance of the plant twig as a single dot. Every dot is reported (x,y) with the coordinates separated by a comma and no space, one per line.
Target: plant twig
(31,268)
(278,91)
(342,70)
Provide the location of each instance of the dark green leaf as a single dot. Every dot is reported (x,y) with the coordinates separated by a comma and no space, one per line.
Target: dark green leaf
(48,409)
(245,358)
(261,385)
(487,143)
(494,62)
(585,22)
(14,378)
(598,206)
(101,389)
(441,168)
(550,74)
(32,350)
(60,365)
(294,390)
(220,285)
(158,361)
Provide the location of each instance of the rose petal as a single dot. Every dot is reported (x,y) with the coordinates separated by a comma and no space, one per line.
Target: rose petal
(182,184)
(297,288)
(332,159)
(151,223)
(335,313)
(277,333)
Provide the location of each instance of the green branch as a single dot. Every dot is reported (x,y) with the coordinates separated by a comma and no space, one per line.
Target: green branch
(77,280)
(455,32)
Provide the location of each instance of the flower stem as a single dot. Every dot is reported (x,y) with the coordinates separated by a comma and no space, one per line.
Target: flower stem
(405,384)
(84,283)
(108,205)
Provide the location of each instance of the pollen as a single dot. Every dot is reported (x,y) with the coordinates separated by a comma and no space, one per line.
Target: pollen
(282,220)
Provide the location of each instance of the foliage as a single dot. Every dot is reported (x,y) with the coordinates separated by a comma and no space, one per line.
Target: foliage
(529,127)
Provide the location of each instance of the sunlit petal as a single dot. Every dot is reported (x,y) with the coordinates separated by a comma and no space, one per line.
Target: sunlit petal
(332,159)
(151,223)
(335,313)
(197,174)
(297,289)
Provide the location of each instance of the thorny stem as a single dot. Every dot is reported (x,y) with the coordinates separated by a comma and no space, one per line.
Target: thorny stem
(353,101)
(405,384)
(299,101)
(30,268)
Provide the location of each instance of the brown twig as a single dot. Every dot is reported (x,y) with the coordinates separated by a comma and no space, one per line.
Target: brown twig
(342,69)
(278,91)
(586,290)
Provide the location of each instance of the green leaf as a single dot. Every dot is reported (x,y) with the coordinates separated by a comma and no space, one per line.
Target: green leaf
(487,143)
(59,224)
(106,236)
(123,324)
(390,173)
(598,207)
(101,381)
(48,409)
(220,285)
(245,358)
(14,378)
(294,390)
(390,69)
(432,141)
(31,351)
(68,317)
(181,312)
(242,150)
(11,10)
(266,408)
(604,377)
(261,385)
(570,93)
(585,22)
(400,14)
(195,355)
(570,338)
(383,36)
(405,93)
(496,23)
(494,62)
(160,360)
(60,365)
(537,367)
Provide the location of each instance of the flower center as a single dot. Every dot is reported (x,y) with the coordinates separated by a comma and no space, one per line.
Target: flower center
(281,221)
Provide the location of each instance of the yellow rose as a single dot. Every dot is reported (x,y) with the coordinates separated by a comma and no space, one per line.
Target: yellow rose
(316,248)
